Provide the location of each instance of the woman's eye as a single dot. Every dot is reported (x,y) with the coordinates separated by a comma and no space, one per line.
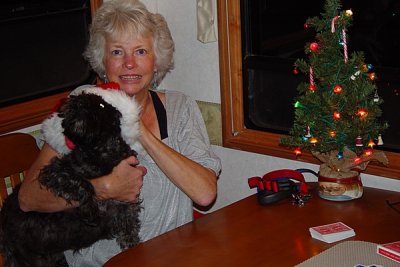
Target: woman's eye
(116,52)
(141,52)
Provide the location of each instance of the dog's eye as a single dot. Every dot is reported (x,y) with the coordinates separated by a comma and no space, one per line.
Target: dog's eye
(101,105)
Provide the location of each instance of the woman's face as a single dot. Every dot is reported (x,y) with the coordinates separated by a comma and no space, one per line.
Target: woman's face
(130,62)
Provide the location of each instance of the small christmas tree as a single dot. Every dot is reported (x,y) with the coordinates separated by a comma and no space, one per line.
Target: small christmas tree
(337,110)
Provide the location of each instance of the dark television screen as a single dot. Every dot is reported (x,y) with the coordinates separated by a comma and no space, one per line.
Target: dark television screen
(273,37)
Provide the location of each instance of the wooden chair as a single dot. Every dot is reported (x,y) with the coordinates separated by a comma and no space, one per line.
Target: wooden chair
(17,153)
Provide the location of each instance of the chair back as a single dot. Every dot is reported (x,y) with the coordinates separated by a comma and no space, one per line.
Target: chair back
(17,153)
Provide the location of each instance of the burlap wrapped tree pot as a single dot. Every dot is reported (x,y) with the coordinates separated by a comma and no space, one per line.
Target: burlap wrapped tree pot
(339,175)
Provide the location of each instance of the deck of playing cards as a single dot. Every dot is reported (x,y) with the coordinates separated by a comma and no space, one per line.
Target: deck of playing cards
(390,250)
(333,232)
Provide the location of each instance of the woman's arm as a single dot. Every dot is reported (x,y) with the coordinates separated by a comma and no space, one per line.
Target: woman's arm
(198,182)
(124,183)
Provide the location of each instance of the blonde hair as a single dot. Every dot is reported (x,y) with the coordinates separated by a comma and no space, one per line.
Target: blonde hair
(118,17)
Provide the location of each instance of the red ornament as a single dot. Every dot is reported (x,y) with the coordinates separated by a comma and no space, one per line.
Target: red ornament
(314,47)
(312,87)
(372,76)
(368,152)
(359,141)
(297,151)
(362,112)
(306,26)
(295,71)
(357,160)
(337,89)
(336,115)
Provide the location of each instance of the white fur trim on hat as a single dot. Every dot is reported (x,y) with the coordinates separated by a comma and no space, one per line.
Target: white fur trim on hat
(53,134)
(128,106)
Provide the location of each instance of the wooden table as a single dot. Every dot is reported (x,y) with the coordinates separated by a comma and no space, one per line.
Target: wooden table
(248,234)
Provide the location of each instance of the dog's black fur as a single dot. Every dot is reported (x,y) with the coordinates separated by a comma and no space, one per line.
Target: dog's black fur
(39,239)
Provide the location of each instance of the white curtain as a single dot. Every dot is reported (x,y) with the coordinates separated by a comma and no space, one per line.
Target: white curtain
(205,21)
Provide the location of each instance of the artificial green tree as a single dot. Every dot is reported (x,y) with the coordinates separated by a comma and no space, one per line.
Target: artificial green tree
(337,110)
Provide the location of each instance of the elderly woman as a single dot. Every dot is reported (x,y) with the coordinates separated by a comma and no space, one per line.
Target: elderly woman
(133,47)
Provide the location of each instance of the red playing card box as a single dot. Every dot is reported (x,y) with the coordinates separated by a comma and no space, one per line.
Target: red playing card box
(390,250)
(332,232)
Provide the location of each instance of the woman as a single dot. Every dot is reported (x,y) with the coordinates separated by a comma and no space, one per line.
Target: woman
(133,47)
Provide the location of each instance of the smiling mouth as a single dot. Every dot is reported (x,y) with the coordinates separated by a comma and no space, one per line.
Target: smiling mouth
(130,77)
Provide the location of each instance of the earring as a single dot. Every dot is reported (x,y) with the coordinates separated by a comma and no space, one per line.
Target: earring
(154,85)
(105,80)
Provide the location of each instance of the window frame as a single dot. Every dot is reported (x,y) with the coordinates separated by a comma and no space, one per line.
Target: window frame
(234,134)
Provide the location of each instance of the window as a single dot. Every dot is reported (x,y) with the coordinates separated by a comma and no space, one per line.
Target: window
(243,127)
(43,50)
(42,56)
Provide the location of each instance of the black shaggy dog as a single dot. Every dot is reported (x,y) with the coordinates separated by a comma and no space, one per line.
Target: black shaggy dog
(100,132)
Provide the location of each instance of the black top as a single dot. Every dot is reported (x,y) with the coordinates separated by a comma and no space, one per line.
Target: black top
(161,114)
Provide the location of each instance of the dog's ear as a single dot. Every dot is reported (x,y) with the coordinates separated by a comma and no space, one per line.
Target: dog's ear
(89,120)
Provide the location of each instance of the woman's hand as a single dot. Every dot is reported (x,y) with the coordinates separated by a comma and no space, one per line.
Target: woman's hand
(124,183)
(198,182)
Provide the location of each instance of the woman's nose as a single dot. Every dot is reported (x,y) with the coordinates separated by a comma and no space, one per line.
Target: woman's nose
(129,62)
